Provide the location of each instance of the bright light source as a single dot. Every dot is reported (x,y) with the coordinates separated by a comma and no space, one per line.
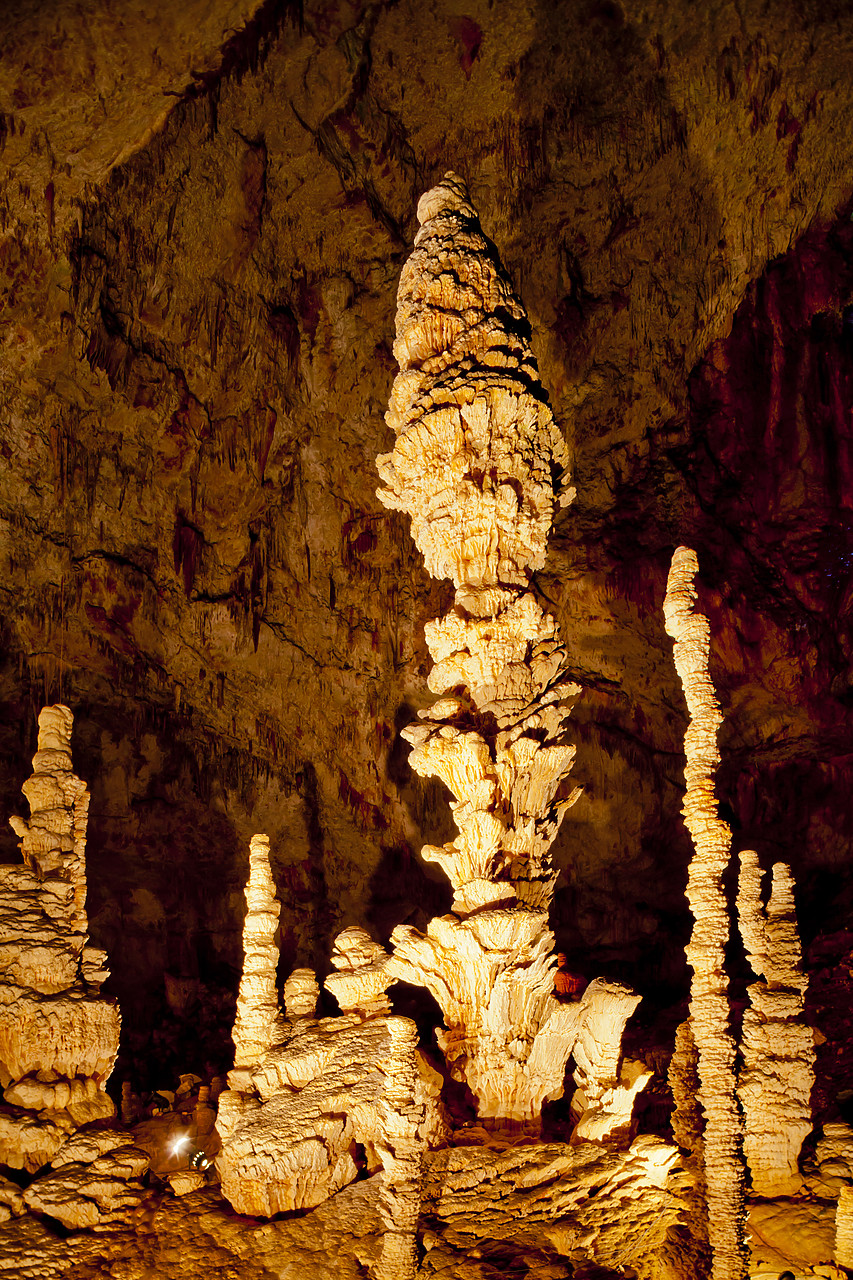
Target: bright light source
(179,1143)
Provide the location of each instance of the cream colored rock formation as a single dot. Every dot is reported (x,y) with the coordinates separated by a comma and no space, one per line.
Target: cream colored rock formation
(94,1181)
(683,1077)
(620,1208)
(709,1005)
(307,1095)
(58,1035)
(478,464)
(844,1228)
(607,1084)
(257,1000)
(777,1045)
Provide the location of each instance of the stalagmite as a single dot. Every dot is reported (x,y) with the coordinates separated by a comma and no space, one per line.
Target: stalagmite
(257,1000)
(709,1006)
(58,1035)
(607,1085)
(478,464)
(777,1045)
(307,1094)
(844,1228)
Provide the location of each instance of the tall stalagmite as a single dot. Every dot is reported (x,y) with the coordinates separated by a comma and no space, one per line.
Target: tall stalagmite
(257,998)
(709,1004)
(58,1034)
(777,1045)
(478,464)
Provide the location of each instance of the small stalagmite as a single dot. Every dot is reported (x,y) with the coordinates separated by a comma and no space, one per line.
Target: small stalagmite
(607,1083)
(479,464)
(709,1004)
(58,1035)
(306,1095)
(777,1045)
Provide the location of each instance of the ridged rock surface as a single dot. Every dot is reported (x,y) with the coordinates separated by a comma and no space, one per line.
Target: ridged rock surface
(777,1045)
(58,1035)
(706,951)
(478,464)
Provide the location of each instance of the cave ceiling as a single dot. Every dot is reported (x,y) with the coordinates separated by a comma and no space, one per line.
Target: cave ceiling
(204,211)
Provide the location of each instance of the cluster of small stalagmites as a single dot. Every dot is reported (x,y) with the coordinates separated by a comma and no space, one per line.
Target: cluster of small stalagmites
(478,464)
(305,1092)
(777,1045)
(58,1036)
(709,1004)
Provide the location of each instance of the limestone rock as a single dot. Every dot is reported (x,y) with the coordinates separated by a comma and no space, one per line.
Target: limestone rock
(709,1007)
(684,1082)
(361,978)
(777,1045)
(257,1001)
(95,1181)
(58,1035)
(478,463)
(607,1086)
(544,1190)
(844,1228)
(330,1095)
(795,1235)
(477,455)
(186,1181)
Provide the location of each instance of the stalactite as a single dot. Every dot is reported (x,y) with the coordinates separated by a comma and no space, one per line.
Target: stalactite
(777,1045)
(709,1005)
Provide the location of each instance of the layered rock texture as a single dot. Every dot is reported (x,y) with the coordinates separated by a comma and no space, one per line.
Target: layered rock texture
(706,951)
(477,464)
(58,1034)
(312,1102)
(777,1045)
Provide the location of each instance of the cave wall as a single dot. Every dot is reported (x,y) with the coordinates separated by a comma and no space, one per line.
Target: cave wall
(204,215)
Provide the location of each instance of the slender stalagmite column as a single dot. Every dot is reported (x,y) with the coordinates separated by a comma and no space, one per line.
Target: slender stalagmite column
(709,1005)
(777,1044)
(257,999)
(478,465)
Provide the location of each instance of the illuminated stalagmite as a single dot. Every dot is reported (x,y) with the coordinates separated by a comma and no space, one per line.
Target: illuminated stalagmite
(58,1035)
(709,1005)
(306,1093)
(257,999)
(777,1046)
(478,464)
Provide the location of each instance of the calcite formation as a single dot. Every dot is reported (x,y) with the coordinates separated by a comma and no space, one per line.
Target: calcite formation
(478,464)
(607,1084)
(94,1181)
(777,1045)
(58,1034)
(709,1004)
(587,1202)
(312,1102)
(257,999)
